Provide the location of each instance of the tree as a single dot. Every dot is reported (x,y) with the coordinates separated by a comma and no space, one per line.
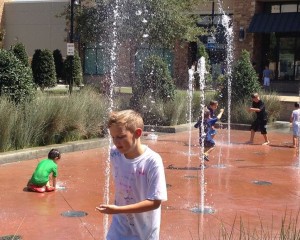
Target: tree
(20,52)
(244,80)
(73,71)
(163,21)
(43,69)
(203,53)
(59,63)
(155,24)
(15,78)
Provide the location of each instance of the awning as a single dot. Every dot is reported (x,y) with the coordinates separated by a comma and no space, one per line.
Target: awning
(275,22)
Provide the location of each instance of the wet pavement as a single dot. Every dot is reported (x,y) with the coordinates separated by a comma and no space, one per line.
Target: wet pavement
(249,188)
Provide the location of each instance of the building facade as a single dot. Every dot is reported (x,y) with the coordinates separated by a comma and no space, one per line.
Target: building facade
(36,24)
(268,29)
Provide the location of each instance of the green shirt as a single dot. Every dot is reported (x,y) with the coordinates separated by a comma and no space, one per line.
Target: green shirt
(42,172)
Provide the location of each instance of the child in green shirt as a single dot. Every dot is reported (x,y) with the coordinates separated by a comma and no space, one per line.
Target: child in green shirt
(39,181)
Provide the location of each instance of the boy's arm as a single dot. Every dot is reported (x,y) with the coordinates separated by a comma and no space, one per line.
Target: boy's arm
(143,206)
(254,109)
(220,114)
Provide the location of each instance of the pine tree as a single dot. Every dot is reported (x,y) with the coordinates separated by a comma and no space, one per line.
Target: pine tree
(15,78)
(59,63)
(43,69)
(244,80)
(20,52)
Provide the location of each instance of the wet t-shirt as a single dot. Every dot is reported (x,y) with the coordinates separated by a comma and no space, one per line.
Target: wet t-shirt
(136,180)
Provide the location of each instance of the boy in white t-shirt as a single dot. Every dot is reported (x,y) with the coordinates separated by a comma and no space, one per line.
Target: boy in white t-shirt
(295,120)
(139,178)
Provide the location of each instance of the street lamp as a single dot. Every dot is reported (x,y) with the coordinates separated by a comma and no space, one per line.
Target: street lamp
(70,45)
(71,52)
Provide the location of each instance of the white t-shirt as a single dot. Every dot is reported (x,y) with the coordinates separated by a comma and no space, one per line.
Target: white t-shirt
(296,122)
(137,180)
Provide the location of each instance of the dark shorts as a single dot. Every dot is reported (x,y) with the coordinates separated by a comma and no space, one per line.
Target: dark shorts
(209,144)
(259,124)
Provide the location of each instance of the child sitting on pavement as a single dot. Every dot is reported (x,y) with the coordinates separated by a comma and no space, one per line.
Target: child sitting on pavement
(209,131)
(39,181)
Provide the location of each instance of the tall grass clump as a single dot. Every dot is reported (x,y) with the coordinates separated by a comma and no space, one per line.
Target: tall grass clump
(286,228)
(8,116)
(240,114)
(173,112)
(51,119)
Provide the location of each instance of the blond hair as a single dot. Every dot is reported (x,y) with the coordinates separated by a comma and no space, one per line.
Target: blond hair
(129,119)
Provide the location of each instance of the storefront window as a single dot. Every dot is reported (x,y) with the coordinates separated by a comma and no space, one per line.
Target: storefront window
(297,60)
(286,58)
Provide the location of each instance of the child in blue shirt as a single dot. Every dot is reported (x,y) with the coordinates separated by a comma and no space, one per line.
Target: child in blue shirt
(209,131)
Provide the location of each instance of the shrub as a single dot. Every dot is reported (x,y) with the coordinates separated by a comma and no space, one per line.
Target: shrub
(20,52)
(208,77)
(155,80)
(244,80)
(43,69)
(73,71)
(15,78)
(59,63)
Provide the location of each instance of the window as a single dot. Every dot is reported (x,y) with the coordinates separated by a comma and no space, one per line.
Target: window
(95,60)
(283,7)
(275,9)
(286,58)
(289,8)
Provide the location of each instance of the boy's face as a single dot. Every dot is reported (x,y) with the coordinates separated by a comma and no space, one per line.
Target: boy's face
(214,106)
(125,141)
(255,99)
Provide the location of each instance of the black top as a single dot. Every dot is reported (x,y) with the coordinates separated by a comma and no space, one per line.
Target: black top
(262,115)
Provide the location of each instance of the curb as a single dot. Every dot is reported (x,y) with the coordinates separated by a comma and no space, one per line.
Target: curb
(39,152)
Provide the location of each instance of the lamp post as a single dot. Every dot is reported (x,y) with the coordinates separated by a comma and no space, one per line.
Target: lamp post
(72,44)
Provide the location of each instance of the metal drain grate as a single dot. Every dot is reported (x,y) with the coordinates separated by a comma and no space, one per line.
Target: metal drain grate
(205,210)
(262,183)
(74,214)
(187,176)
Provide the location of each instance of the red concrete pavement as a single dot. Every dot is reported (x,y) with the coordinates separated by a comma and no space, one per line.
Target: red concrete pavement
(239,204)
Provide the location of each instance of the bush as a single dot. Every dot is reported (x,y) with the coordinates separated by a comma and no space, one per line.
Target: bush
(155,80)
(244,80)
(59,63)
(73,71)
(20,52)
(15,78)
(208,77)
(43,69)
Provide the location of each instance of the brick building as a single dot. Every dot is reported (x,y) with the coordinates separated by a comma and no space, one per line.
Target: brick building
(268,29)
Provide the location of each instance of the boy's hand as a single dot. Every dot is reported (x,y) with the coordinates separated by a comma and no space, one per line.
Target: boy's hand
(108,209)
(222,110)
